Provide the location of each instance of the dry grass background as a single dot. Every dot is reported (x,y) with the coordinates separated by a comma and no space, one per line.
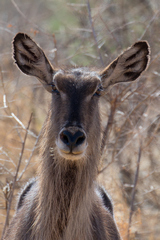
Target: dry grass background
(87,34)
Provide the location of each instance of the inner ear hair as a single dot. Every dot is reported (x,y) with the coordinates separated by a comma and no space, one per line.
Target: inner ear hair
(128,66)
(31,59)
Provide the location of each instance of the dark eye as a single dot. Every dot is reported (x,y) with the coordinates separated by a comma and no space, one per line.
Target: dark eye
(99,91)
(54,89)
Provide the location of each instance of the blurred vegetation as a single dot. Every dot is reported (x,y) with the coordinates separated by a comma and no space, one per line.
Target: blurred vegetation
(87,33)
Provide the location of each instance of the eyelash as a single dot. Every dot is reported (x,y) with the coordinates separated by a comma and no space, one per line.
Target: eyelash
(98,92)
(54,89)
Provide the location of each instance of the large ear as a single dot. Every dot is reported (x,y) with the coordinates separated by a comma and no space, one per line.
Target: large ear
(128,66)
(31,59)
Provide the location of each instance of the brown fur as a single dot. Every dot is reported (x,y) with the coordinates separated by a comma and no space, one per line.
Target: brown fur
(65,202)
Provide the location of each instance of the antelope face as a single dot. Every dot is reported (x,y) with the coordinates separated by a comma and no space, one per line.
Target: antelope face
(75,100)
(75,124)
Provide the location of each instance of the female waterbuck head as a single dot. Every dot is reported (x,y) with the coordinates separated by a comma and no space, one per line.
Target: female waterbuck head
(65,203)
(75,125)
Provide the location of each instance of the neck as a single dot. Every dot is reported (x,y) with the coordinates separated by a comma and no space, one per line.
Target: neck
(65,196)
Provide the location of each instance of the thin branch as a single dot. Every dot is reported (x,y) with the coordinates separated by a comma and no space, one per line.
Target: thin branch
(30,157)
(131,113)
(22,125)
(15,178)
(55,46)
(149,24)
(23,15)
(40,29)
(93,31)
(6,106)
(104,168)
(110,32)
(106,132)
(6,154)
(8,171)
(134,189)
(109,124)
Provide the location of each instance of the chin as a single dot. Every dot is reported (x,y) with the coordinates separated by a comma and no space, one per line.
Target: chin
(71,156)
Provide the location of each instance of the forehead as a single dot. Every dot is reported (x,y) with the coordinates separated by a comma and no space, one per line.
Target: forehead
(78,77)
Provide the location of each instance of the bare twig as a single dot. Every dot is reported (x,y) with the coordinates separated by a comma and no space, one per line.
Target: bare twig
(107,132)
(15,179)
(149,24)
(22,14)
(131,113)
(6,106)
(93,31)
(134,188)
(109,124)
(110,32)
(30,157)
(40,29)
(22,125)
(104,168)
(55,46)
(6,154)
(8,171)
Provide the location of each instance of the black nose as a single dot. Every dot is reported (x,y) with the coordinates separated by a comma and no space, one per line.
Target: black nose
(72,140)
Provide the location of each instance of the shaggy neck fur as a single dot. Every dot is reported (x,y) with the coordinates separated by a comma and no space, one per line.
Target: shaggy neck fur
(64,212)
(65,209)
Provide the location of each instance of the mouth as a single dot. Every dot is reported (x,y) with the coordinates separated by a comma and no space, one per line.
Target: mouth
(71,155)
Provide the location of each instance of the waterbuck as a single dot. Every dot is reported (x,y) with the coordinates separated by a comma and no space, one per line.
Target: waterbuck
(65,202)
